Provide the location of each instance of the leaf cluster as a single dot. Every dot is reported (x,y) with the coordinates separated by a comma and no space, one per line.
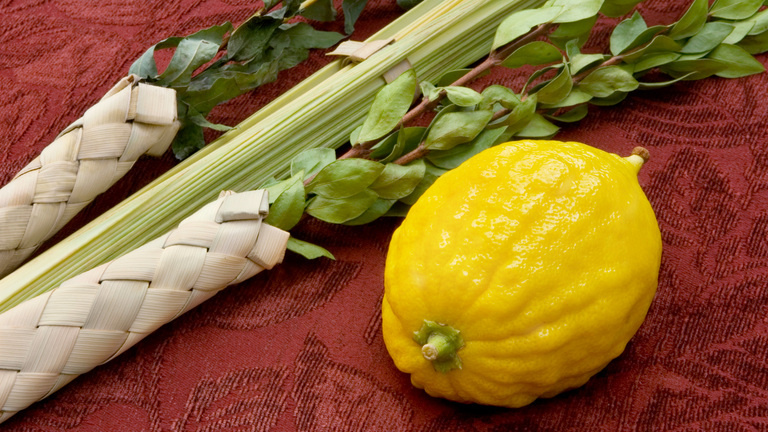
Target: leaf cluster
(346,191)
(219,63)
(356,191)
(707,40)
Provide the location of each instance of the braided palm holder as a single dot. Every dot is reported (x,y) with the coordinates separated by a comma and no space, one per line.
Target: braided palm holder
(47,341)
(87,158)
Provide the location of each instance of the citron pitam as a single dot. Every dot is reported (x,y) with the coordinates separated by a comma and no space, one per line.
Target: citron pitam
(521,273)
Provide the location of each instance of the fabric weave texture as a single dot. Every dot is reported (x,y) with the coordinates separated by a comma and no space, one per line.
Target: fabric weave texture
(299,348)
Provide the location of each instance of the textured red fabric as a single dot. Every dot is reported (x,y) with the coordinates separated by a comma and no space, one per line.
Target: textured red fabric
(300,347)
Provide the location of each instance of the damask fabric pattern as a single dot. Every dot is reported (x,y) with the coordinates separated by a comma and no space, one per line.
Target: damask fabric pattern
(299,348)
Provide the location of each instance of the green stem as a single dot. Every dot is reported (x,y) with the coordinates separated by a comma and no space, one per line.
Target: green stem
(439,346)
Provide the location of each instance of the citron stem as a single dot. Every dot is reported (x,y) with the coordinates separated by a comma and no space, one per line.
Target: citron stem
(639,156)
(438,346)
(642,152)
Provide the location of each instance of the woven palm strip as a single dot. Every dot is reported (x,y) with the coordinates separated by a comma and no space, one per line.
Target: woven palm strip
(47,341)
(87,158)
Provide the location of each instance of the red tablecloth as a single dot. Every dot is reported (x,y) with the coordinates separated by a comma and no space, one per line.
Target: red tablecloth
(300,347)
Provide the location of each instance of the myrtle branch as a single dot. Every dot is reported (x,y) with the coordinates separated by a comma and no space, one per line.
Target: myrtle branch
(494,59)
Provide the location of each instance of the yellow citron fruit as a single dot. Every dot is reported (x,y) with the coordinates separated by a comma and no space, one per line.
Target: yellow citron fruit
(521,273)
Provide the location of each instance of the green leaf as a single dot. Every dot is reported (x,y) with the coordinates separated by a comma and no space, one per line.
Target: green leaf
(755,44)
(307,250)
(288,207)
(557,89)
(389,106)
(292,7)
(521,22)
(572,115)
(462,96)
(739,62)
(455,128)
(269,182)
(197,118)
(625,33)
(760,21)
(250,40)
(577,30)
(289,9)
(278,13)
(290,44)
(344,178)
(451,77)
(213,87)
(575,10)
(286,56)
(740,30)
(617,8)
(653,60)
(429,91)
(735,9)
(522,114)
(659,44)
(312,161)
(605,81)
(145,66)
(538,127)
(450,159)
(320,10)
(340,210)
(579,61)
(692,56)
(352,10)
(610,100)
(575,97)
(355,133)
(534,53)
(379,208)
(694,69)
(398,181)
(397,144)
(583,62)
(646,37)
(572,49)
(431,173)
(710,36)
(494,94)
(441,111)
(539,73)
(191,53)
(275,187)
(691,22)
(302,36)
(188,140)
